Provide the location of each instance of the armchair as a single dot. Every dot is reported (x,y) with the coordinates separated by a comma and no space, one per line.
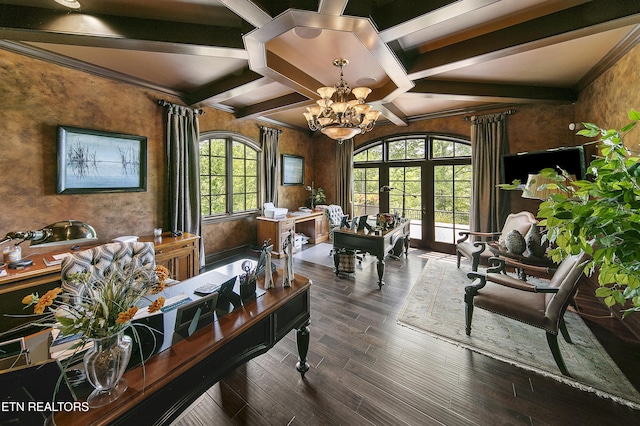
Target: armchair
(477,251)
(102,259)
(538,306)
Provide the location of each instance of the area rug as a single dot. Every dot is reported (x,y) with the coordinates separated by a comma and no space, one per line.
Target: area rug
(435,305)
(319,254)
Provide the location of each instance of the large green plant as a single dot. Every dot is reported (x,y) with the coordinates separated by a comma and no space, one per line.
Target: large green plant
(601,215)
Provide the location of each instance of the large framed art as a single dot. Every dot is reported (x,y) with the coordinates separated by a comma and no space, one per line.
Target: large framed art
(92,161)
(292,170)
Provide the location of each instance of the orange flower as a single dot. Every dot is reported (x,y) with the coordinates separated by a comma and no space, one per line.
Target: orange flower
(27,299)
(156,305)
(126,316)
(46,300)
(162,272)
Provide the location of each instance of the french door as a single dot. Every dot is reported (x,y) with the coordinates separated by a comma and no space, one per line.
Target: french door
(427,179)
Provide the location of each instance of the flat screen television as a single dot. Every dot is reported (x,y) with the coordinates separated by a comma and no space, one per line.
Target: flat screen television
(519,166)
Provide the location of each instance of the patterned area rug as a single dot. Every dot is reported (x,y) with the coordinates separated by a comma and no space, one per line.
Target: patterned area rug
(319,253)
(435,305)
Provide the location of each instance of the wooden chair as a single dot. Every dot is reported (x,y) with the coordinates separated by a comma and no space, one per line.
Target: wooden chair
(538,306)
(477,252)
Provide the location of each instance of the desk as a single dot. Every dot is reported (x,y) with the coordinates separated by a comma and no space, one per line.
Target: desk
(313,224)
(179,375)
(394,239)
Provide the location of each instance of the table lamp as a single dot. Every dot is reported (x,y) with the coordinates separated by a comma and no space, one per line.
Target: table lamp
(59,233)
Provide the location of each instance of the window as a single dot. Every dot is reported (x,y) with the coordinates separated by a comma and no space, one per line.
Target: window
(229,174)
(426,177)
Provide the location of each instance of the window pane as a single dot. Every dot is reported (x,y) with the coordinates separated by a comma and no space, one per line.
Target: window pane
(238,185)
(238,150)
(360,157)
(218,204)
(397,150)
(205,205)
(415,148)
(252,167)
(252,184)
(375,153)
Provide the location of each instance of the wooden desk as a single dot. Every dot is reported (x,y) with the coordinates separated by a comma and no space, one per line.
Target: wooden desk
(179,375)
(178,254)
(395,240)
(314,225)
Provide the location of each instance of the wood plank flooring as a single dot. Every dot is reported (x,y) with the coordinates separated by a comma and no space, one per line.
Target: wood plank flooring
(366,369)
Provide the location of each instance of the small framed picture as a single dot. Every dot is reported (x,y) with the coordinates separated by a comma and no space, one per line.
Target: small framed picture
(91,161)
(292,170)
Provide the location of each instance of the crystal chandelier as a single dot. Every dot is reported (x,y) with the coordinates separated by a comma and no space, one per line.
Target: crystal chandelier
(340,118)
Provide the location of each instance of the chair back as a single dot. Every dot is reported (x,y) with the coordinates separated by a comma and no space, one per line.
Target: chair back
(566,280)
(519,221)
(334,215)
(101,260)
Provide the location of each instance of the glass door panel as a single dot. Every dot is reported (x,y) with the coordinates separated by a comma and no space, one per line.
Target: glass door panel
(406,196)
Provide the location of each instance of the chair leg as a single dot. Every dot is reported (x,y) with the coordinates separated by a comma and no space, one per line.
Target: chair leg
(564,331)
(552,340)
(458,255)
(468,311)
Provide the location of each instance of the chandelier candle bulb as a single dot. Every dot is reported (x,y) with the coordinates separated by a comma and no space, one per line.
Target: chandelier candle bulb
(340,118)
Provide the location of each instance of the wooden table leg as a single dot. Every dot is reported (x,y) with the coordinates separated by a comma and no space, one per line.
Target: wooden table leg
(380,266)
(302,338)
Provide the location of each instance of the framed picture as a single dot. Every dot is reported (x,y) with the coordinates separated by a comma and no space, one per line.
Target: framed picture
(292,170)
(91,161)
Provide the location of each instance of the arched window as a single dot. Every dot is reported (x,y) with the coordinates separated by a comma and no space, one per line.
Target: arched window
(429,181)
(229,175)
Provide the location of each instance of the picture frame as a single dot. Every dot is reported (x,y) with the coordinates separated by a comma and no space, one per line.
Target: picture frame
(94,161)
(292,170)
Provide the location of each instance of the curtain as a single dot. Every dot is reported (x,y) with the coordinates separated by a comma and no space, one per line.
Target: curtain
(344,183)
(270,163)
(489,204)
(183,170)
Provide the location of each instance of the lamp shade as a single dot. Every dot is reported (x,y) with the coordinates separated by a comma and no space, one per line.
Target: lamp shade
(64,232)
(536,187)
(340,133)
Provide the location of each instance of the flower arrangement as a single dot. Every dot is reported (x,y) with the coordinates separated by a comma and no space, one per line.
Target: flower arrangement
(103,305)
(385,220)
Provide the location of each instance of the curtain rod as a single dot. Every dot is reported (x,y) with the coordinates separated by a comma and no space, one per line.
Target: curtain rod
(507,112)
(165,103)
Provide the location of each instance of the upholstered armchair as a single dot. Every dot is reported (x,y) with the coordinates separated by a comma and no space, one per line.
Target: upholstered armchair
(477,251)
(334,215)
(539,306)
(101,260)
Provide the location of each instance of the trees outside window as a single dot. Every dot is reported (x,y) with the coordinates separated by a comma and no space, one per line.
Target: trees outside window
(229,175)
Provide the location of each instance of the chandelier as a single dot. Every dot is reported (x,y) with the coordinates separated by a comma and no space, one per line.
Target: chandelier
(340,118)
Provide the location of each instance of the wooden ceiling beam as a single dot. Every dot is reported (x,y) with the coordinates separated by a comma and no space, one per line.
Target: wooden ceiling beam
(32,24)
(580,21)
(492,92)
(285,102)
(228,88)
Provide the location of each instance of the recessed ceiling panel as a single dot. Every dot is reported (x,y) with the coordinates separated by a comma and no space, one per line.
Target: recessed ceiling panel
(559,65)
(181,72)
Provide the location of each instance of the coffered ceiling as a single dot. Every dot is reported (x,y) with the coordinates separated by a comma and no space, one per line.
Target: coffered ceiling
(264,59)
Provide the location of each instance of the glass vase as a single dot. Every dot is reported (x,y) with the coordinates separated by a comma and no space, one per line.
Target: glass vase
(104,365)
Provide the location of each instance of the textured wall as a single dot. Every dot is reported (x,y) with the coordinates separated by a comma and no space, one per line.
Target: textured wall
(36,97)
(608,100)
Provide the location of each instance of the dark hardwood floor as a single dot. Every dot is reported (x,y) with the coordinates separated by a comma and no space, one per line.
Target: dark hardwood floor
(368,369)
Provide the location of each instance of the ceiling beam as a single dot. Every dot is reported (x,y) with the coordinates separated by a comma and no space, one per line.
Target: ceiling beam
(391,113)
(248,11)
(492,92)
(569,24)
(395,21)
(285,102)
(332,7)
(32,24)
(228,88)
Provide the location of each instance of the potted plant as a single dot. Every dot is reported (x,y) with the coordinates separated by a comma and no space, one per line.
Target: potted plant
(600,215)
(316,196)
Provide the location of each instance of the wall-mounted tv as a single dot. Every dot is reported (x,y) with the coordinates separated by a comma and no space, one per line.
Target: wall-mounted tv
(519,166)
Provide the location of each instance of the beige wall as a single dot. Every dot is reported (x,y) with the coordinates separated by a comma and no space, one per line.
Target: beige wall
(36,97)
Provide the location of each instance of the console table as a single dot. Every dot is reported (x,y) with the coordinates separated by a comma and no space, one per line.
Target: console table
(313,224)
(177,376)
(391,240)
